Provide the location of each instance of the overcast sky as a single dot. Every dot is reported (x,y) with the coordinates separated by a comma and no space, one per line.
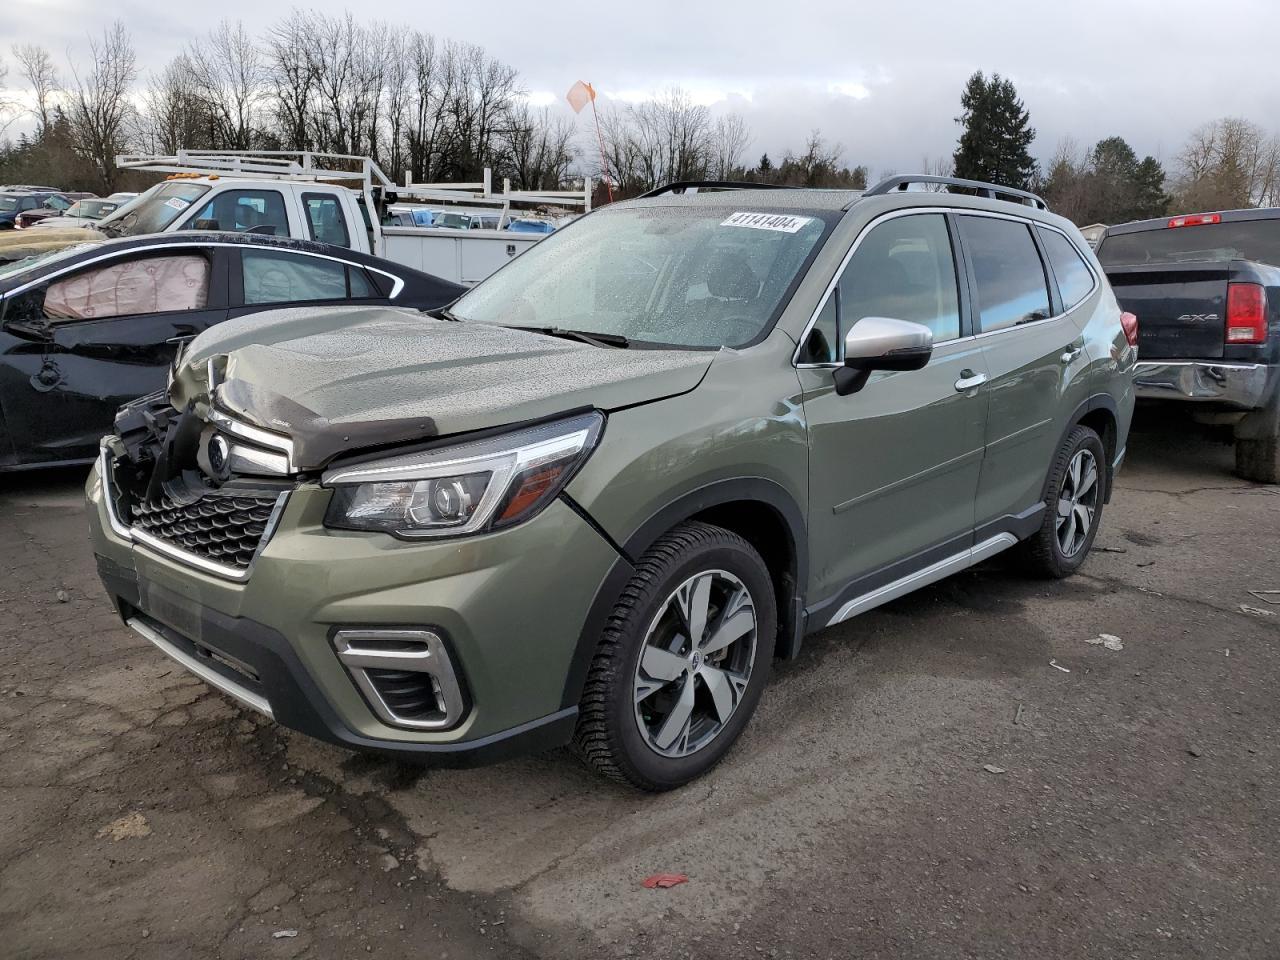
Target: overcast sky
(882,79)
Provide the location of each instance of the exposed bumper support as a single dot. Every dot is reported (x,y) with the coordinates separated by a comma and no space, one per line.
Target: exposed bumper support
(1240,385)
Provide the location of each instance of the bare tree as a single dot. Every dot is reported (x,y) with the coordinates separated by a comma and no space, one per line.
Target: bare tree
(293,79)
(100,106)
(539,149)
(729,141)
(1230,162)
(229,75)
(176,115)
(41,76)
(9,108)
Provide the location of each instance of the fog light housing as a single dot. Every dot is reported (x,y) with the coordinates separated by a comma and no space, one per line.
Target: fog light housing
(406,676)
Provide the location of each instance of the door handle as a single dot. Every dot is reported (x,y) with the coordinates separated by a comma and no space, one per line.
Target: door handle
(968,380)
(1070,355)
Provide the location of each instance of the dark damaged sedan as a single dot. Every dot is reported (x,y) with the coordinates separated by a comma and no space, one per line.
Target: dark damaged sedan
(87,328)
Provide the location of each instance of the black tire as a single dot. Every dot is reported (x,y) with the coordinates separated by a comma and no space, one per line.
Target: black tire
(608,737)
(1043,551)
(1258,459)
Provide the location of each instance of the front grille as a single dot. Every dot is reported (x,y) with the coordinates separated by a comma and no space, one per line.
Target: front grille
(226,530)
(408,694)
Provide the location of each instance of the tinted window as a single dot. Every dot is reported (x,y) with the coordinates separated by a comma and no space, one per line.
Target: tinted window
(1242,240)
(1074,279)
(1011,285)
(153,285)
(823,343)
(271,277)
(259,211)
(325,220)
(360,285)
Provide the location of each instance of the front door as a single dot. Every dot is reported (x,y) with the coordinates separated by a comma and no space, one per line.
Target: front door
(77,348)
(893,468)
(1035,357)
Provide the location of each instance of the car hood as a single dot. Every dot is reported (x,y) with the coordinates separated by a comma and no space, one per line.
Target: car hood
(21,244)
(341,379)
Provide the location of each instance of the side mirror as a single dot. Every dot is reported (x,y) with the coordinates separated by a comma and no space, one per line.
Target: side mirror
(881,343)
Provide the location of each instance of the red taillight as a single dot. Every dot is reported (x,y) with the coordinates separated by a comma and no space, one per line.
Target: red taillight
(1129,323)
(1196,220)
(1246,313)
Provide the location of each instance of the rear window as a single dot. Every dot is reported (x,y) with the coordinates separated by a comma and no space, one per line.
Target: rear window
(1242,240)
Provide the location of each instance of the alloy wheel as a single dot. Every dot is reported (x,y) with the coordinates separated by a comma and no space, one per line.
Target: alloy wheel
(1077,503)
(695,664)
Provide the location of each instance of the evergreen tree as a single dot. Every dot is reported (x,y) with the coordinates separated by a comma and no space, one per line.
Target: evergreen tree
(1149,200)
(997,133)
(766,165)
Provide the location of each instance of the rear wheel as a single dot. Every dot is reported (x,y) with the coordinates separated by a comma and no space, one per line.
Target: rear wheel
(682,662)
(1259,459)
(1073,500)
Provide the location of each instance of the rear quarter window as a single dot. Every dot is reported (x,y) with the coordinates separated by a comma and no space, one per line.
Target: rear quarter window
(1075,279)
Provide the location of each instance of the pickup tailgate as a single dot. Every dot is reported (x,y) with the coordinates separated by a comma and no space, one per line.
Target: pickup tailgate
(1181,307)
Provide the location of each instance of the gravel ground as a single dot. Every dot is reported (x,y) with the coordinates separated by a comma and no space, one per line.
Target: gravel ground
(921,783)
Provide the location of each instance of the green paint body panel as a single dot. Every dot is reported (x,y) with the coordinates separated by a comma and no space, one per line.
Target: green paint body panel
(907,465)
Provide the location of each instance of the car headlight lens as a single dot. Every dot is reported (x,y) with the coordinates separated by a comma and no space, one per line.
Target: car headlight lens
(464,488)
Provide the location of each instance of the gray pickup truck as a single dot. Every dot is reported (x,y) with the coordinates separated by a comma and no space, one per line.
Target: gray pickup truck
(1206,290)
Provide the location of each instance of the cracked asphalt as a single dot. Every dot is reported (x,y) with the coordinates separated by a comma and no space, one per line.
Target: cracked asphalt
(923,782)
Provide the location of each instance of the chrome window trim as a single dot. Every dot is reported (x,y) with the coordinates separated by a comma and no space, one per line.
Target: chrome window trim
(397,283)
(958,211)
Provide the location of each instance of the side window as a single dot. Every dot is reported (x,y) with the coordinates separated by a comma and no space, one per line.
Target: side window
(272,277)
(1011,285)
(152,285)
(904,269)
(823,343)
(1075,281)
(325,221)
(240,211)
(359,284)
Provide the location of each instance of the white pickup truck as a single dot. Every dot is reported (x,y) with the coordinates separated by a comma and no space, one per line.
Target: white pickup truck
(294,194)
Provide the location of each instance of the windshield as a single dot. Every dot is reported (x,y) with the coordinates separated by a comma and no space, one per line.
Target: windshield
(685,276)
(154,210)
(452,220)
(91,208)
(10,270)
(1240,240)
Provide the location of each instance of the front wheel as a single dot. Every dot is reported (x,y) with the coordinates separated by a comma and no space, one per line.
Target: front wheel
(1073,501)
(683,660)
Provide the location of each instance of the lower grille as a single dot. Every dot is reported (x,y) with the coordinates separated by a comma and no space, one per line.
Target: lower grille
(226,530)
(408,694)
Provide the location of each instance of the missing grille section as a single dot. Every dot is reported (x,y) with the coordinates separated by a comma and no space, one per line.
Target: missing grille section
(405,675)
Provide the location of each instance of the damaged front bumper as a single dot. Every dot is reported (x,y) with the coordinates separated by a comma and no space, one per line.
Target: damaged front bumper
(299,635)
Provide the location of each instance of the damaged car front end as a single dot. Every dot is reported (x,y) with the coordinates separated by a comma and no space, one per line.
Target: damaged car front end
(365,583)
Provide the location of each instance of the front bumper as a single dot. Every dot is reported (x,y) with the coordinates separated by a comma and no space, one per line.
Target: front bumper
(509,605)
(1239,385)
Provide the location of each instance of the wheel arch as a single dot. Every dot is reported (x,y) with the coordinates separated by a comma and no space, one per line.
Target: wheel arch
(759,510)
(1100,414)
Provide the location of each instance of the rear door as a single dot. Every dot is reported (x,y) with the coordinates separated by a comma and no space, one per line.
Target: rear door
(893,468)
(85,342)
(1035,358)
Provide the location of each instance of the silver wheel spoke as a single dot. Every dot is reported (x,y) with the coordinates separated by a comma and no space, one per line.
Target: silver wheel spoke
(1074,473)
(725,690)
(676,726)
(1064,509)
(738,619)
(1069,534)
(1087,481)
(694,601)
(662,664)
(1085,516)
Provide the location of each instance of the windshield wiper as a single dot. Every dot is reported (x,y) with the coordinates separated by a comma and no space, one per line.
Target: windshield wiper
(583,336)
(443,313)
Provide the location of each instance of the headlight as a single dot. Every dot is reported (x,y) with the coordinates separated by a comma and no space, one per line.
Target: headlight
(464,488)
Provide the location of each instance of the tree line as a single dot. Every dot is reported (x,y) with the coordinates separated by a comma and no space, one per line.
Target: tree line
(441,111)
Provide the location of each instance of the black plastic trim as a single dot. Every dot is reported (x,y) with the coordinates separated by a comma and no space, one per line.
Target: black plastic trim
(297,702)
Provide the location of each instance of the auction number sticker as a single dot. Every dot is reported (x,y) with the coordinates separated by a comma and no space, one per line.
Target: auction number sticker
(781,222)
(177,203)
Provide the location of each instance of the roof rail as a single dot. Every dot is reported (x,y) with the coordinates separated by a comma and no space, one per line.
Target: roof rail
(693,186)
(955,184)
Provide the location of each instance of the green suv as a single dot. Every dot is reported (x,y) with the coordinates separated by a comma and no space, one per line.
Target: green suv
(595,498)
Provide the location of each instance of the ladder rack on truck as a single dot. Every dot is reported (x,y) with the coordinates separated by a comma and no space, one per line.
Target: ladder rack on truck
(465,256)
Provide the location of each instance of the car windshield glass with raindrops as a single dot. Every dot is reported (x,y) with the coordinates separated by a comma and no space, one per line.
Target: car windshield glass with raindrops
(694,276)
